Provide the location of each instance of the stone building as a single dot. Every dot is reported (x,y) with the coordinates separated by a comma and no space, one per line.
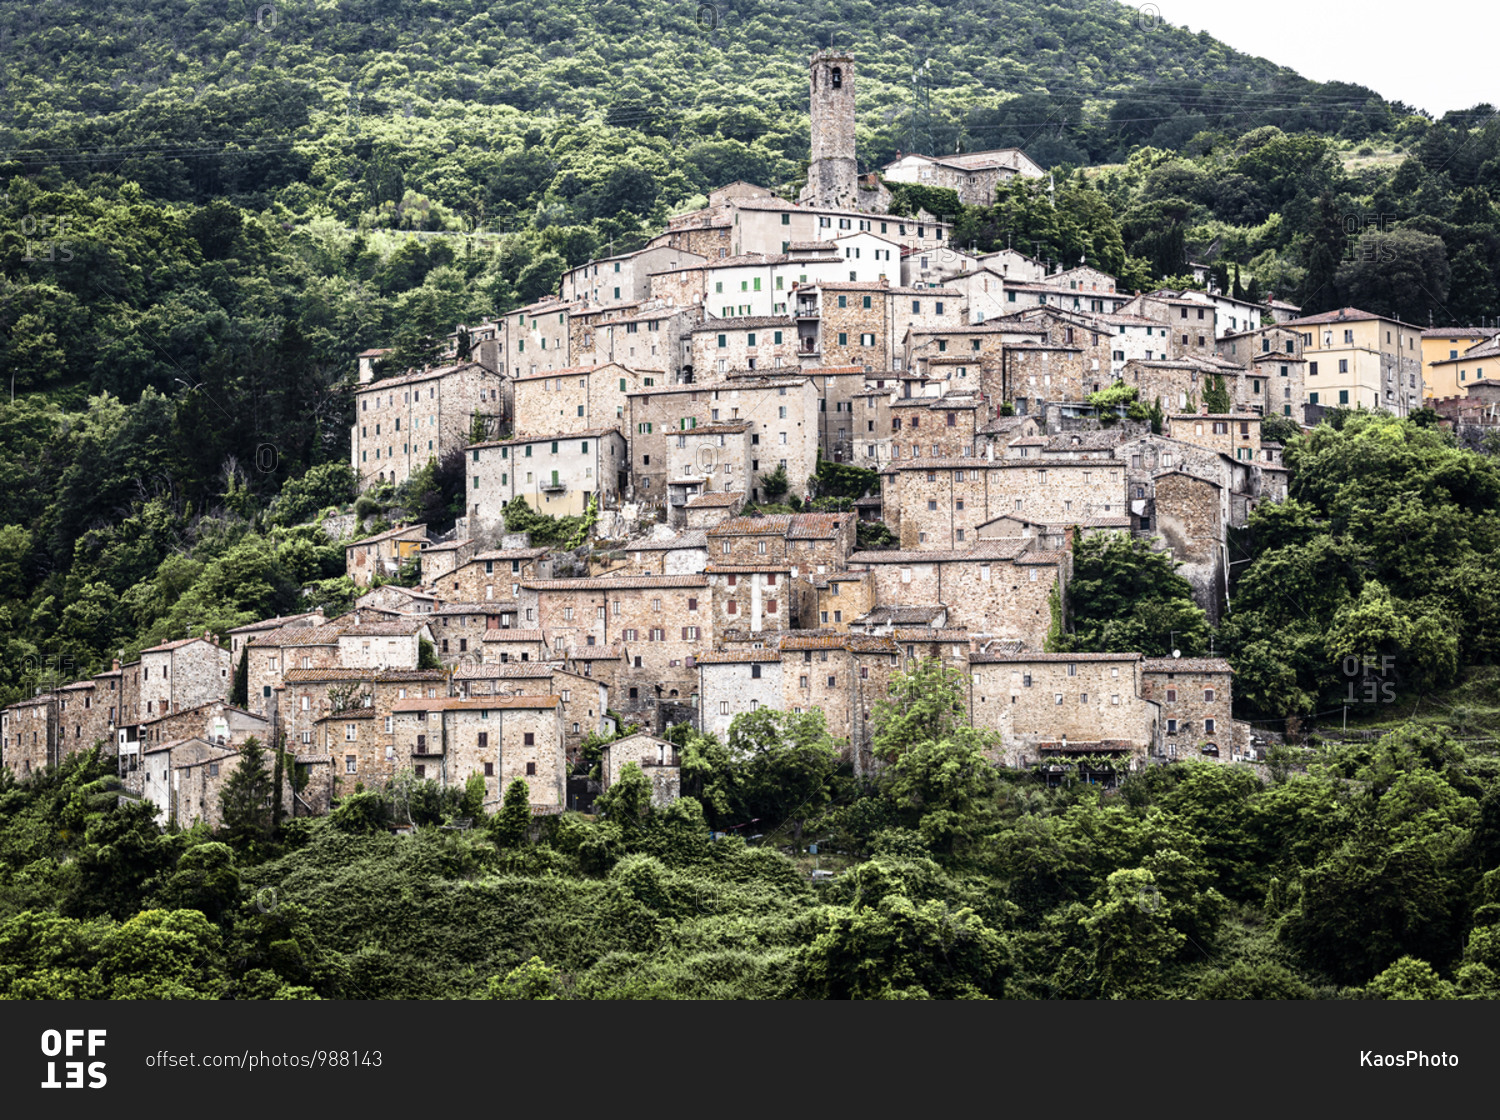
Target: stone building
(558,474)
(584,700)
(625,278)
(843,676)
(214,721)
(1054,708)
(501,738)
(1195,695)
(866,324)
(657,759)
(676,554)
(538,337)
(784,429)
(575,400)
(756,597)
(974,175)
(444,557)
(390,644)
(509,644)
(183,674)
(707,458)
(994,589)
(765,344)
(1273,381)
(494,575)
(400,423)
(734,681)
(707,510)
(657,624)
(30,735)
(1233,434)
(185,778)
(383,554)
(940,503)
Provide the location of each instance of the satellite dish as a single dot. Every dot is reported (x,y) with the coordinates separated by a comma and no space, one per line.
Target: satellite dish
(1177,653)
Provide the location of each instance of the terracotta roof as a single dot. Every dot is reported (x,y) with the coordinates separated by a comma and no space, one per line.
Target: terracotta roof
(505,634)
(821,641)
(736,657)
(178,644)
(402,531)
(507,554)
(412,378)
(376,676)
(513,670)
(272,623)
(595,653)
(588,433)
(898,615)
(1049,658)
(777,523)
(717,500)
(745,323)
(1085,441)
(616,583)
(1461,332)
(747,569)
(817,526)
(327,635)
(929,634)
(482,703)
(691,538)
(1344,315)
(1186,665)
(396,627)
(1009,548)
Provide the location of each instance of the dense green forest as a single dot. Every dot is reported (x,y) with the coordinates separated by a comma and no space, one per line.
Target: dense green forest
(1364,873)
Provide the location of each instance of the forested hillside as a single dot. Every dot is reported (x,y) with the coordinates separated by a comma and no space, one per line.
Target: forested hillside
(206,209)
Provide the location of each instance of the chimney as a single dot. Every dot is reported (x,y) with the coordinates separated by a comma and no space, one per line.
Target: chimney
(116,665)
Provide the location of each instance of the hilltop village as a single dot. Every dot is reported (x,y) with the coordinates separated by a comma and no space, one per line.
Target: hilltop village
(1009,407)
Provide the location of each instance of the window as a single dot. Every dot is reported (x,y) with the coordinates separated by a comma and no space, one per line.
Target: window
(351,732)
(349,764)
(1171,727)
(1208,726)
(755,672)
(1208,695)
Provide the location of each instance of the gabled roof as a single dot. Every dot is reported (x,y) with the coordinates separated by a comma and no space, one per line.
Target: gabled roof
(404,531)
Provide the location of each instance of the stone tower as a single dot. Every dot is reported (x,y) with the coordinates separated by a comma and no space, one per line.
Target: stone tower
(833,174)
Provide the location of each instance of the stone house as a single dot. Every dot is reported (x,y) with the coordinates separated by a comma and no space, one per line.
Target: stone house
(537,337)
(215,721)
(584,700)
(648,340)
(679,554)
(843,676)
(580,399)
(1195,695)
(657,624)
(974,175)
(182,778)
(1191,318)
(841,597)
(754,597)
(510,644)
(1273,380)
(624,278)
(994,589)
(444,557)
(501,738)
(240,635)
(494,575)
(1233,434)
(383,554)
(300,647)
(707,510)
(86,715)
(657,759)
(183,674)
(558,475)
(1052,708)
(840,323)
(391,644)
(313,695)
(30,735)
(783,413)
(706,458)
(734,681)
(400,423)
(762,343)
(940,503)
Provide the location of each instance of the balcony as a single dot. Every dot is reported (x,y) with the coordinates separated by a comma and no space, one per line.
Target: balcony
(554,487)
(807,311)
(669,760)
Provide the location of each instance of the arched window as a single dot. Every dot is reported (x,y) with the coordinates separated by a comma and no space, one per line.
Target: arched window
(838,78)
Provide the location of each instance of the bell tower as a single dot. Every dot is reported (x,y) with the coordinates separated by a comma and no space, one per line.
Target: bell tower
(832,173)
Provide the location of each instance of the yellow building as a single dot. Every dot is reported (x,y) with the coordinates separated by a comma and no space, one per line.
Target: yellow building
(1447,365)
(1356,359)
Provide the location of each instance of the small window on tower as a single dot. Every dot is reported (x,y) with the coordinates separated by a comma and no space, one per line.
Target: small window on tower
(838,78)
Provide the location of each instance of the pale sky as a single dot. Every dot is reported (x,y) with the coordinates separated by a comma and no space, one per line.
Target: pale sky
(1434,56)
